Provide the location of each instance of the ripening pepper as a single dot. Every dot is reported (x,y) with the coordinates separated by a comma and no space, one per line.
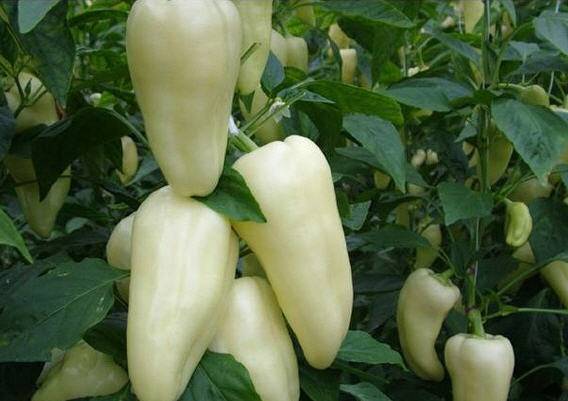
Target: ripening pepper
(270,130)
(83,372)
(40,216)
(472,12)
(255,333)
(279,47)
(534,95)
(556,275)
(425,256)
(348,65)
(305,12)
(529,190)
(498,157)
(518,223)
(336,34)
(423,304)
(302,245)
(129,160)
(480,367)
(184,59)
(183,262)
(256,22)
(297,53)
(381,179)
(119,251)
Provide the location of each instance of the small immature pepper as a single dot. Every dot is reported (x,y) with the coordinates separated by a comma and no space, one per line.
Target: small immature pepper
(129,160)
(425,256)
(423,304)
(348,65)
(518,223)
(297,53)
(556,275)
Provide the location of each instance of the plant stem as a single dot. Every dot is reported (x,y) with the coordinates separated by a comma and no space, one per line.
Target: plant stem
(476,322)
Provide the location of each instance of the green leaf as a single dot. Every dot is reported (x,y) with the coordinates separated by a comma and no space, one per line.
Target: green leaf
(99,14)
(63,142)
(385,238)
(376,11)
(7,127)
(319,385)
(381,139)
(232,197)
(510,8)
(459,202)
(549,236)
(428,93)
(359,346)
(542,61)
(31,12)
(54,309)
(462,48)
(537,133)
(357,215)
(553,27)
(219,377)
(51,45)
(364,392)
(351,99)
(273,74)
(10,236)
(109,337)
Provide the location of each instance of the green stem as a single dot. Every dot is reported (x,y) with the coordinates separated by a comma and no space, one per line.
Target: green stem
(530,372)
(476,322)
(358,372)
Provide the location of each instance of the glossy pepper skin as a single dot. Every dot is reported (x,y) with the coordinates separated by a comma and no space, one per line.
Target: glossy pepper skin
(297,53)
(129,160)
(256,20)
(480,367)
(518,223)
(83,372)
(119,251)
(348,65)
(184,59)
(423,304)
(279,47)
(184,257)
(255,333)
(301,246)
(40,216)
(556,275)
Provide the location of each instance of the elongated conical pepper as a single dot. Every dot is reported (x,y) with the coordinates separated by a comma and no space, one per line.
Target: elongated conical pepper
(498,157)
(302,246)
(425,256)
(423,304)
(472,12)
(119,251)
(184,257)
(184,59)
(556,275)
(480,367)
(40,216)
(256,21)
(279,47)
(83,372)
(129,160)
(297,53)
(518,223)
(336,34)
(254,332)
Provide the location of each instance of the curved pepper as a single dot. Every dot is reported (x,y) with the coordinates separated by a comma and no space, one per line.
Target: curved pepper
(183,58)
(480,367)
(529,190)
(83,372)
(556,275)
(535,95)
(184,257)
(425,256)
(255,333)
(129,160)
(348,65)
(256,22)
(297,53)
(518,223)
(302,246)
(423,304)
(119,251)
(336,34)
(279,47)
(270,130)
(473,10)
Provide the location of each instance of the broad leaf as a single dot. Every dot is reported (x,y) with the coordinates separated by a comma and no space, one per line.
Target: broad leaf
(428,93)
(364,392)
(319,385)
(375,11)
(360,347)
(10,236)
(549,236)
(385,238)
(553,27)
(459,202)
(31,12)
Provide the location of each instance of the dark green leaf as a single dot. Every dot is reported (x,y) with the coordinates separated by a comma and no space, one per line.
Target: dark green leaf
(273,74)
(109,337)
(549,236)
(319,385)
(542,61)
(61,143)
(428,93)
(7,127)
(537,133)
(67,301)
(462,48)
(357,216)
(219,377)
(31,12)
(359,346)
(364,392)
(459,202)
(387,237)
(232,197)
(376,11)
(99,14)
(10,236)
(381,139)
(553,27)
